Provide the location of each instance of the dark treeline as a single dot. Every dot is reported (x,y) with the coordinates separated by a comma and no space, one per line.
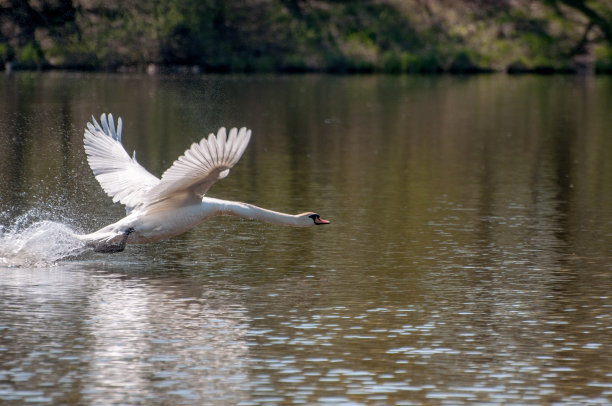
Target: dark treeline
(306,35)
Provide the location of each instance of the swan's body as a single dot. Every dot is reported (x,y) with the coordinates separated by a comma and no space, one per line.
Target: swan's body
(162,208)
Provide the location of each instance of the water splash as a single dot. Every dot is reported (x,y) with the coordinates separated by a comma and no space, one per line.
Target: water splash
(30,241)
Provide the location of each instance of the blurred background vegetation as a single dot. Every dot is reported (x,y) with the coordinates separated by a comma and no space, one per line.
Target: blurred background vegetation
(395,36)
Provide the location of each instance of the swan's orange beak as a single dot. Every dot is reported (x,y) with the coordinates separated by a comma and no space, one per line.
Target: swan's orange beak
(319,220)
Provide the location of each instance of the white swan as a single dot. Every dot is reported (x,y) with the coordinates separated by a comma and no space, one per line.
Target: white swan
(162,208)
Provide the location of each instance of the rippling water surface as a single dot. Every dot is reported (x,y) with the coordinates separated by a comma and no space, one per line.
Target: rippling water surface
(468,259)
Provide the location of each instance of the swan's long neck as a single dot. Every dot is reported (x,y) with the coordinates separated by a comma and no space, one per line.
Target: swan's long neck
(251,212)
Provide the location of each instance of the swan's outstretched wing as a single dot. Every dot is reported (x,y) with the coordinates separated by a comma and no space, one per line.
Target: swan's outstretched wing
(121,177)
(202,165)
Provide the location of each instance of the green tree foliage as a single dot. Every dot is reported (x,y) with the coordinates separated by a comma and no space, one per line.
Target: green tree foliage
(299,35)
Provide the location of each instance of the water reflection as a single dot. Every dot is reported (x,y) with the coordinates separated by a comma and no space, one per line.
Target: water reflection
(108,337)
(138,350)
(468,260)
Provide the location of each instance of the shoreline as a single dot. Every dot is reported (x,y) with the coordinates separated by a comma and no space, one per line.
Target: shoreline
(163,70)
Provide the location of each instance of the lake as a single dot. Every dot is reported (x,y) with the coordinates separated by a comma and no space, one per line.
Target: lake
(468,258)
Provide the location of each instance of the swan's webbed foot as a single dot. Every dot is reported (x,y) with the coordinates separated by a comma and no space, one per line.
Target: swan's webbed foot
(108,248)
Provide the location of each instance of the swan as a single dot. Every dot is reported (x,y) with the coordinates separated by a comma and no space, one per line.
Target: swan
(157,209)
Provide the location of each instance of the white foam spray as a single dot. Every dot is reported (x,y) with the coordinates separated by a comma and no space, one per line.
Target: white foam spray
(30,241)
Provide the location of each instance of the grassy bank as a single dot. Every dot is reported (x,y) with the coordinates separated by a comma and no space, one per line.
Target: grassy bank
(394,36)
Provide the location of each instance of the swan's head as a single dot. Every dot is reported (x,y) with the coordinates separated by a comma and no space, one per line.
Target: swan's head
(311,219)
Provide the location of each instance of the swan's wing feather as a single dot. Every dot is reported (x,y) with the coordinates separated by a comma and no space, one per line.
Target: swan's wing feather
(202,165)
(121,177)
